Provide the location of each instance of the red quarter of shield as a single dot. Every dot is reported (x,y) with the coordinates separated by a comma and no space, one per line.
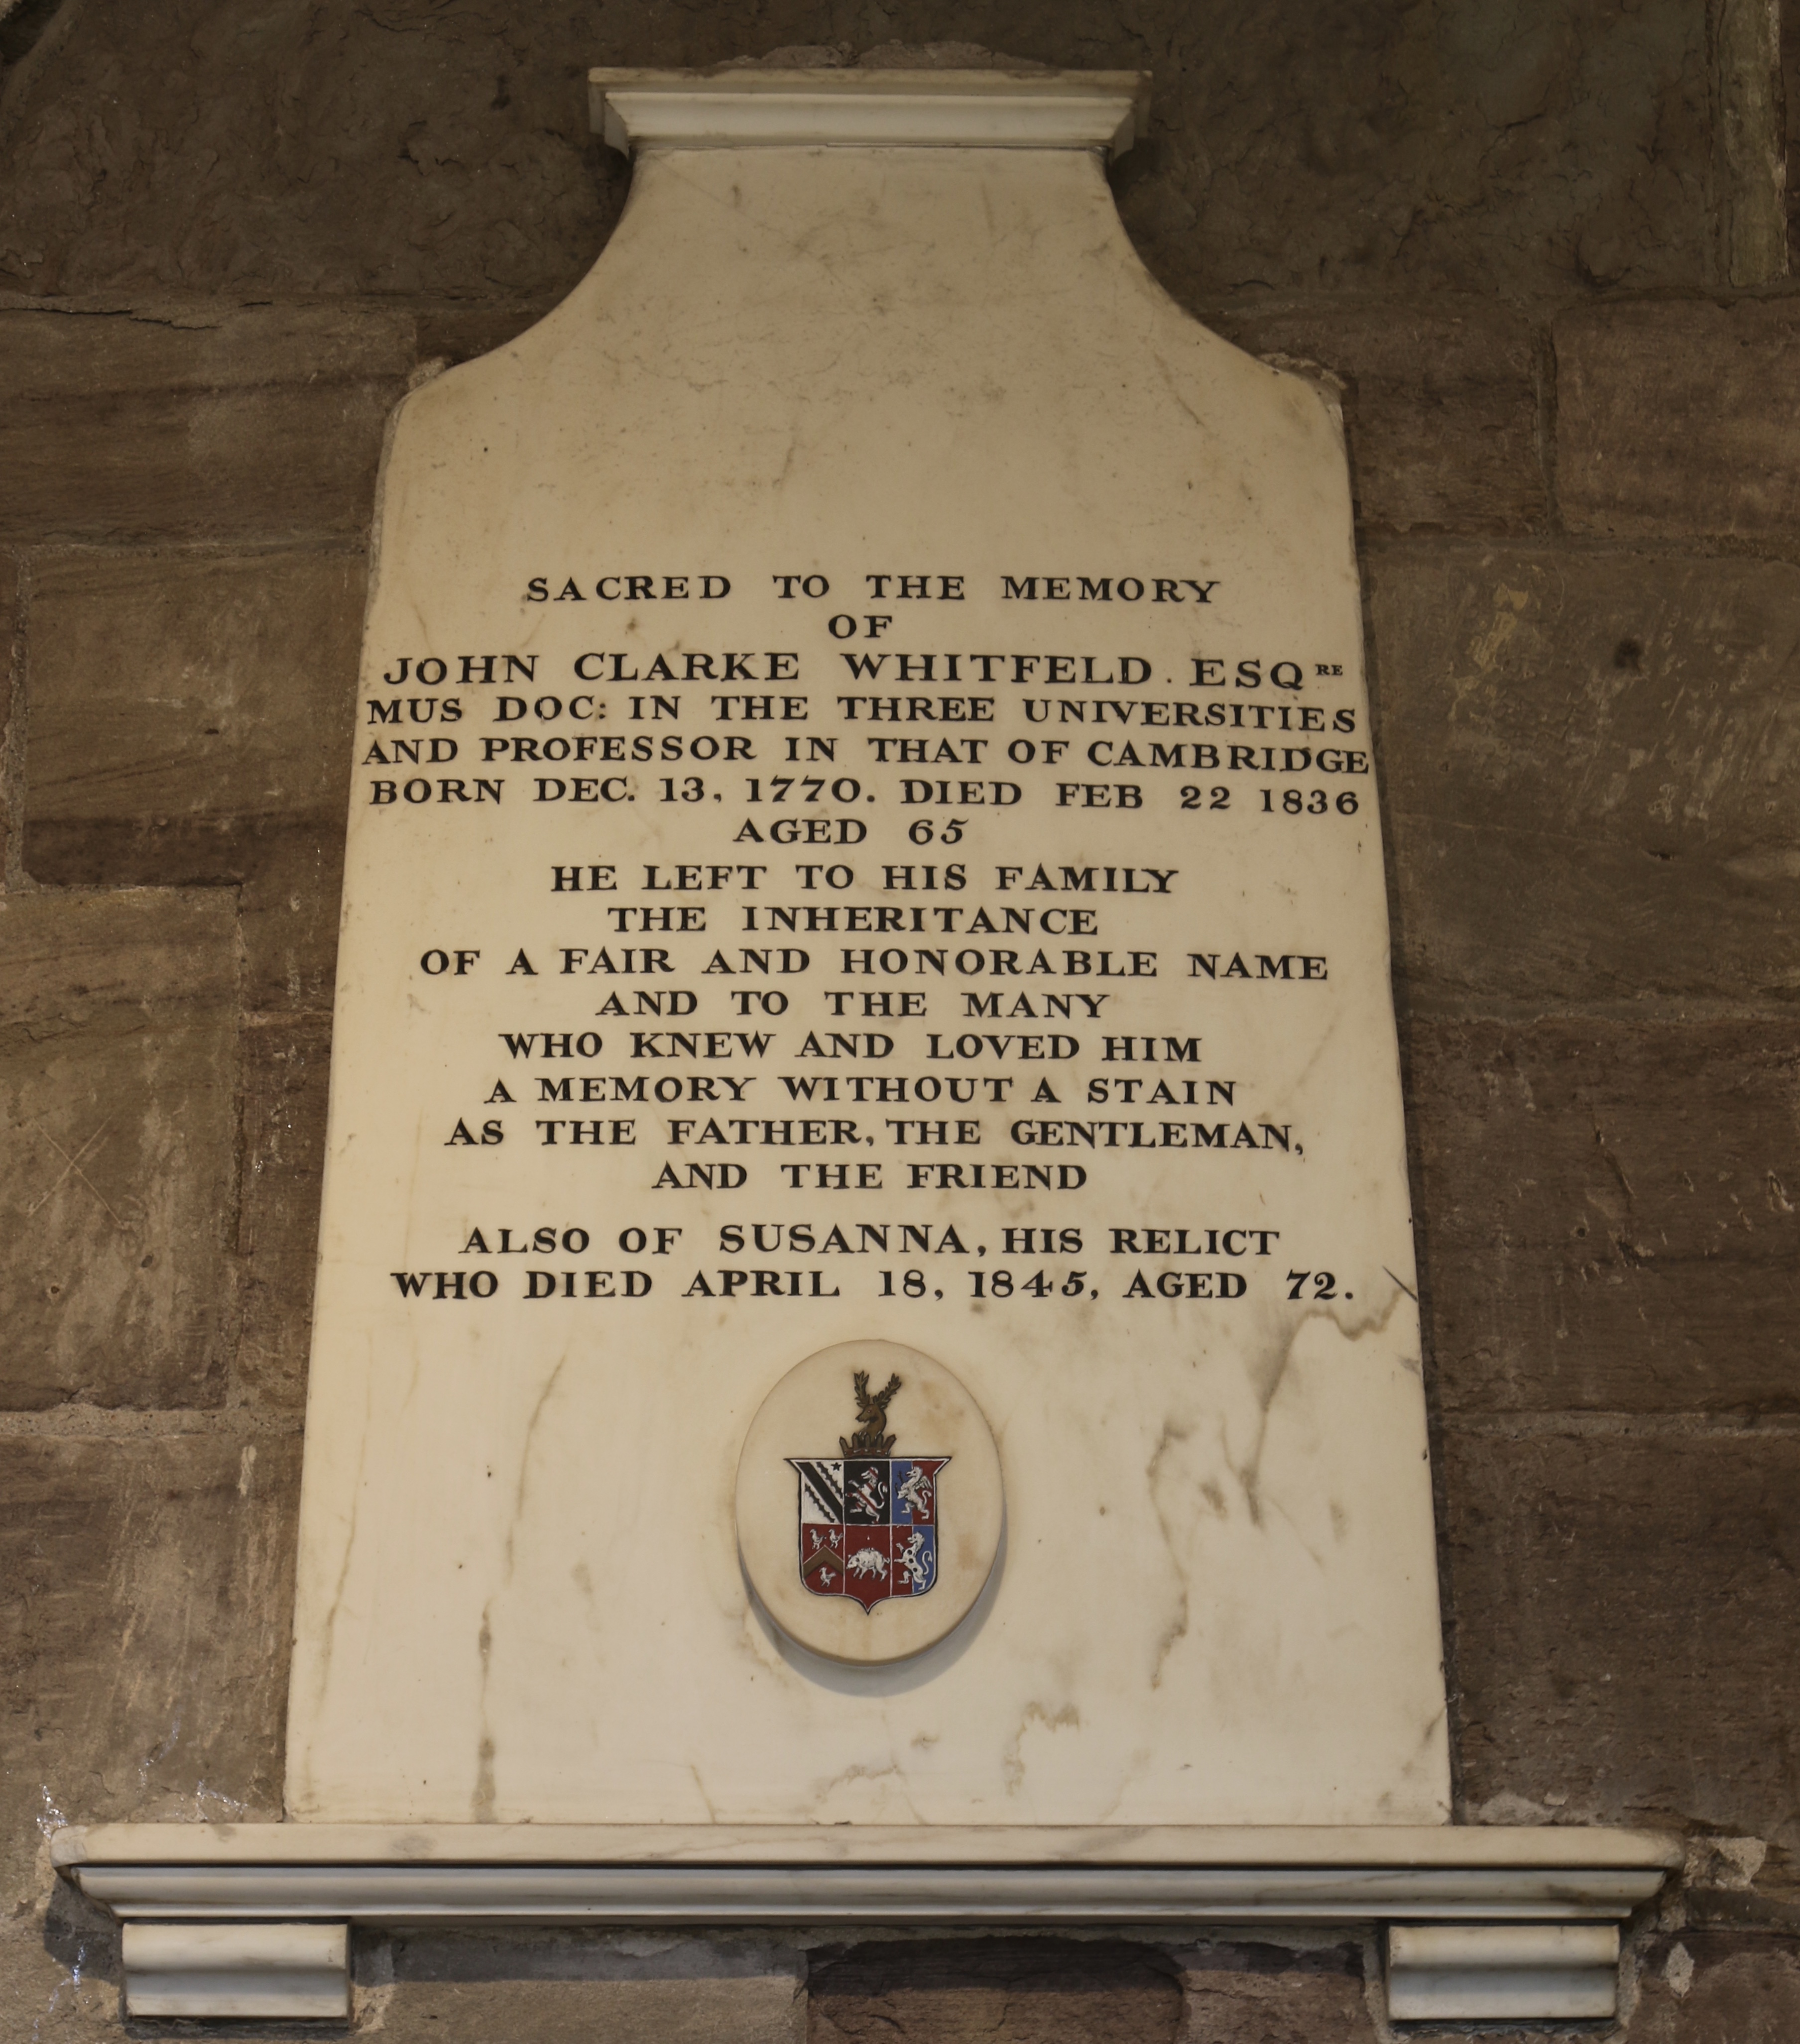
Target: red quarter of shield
(868,1564)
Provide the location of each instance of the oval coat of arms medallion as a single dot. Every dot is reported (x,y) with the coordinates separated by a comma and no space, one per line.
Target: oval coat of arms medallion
(869,1502)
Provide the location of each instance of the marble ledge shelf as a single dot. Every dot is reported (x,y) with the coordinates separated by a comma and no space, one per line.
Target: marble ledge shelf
(743,109)
(1482,1922)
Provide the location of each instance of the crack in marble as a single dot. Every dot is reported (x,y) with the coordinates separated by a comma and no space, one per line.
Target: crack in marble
(481,1801)
(1248,1473)
(700,1790)
(1293,1525)
(482,1798)
(327,1631)
(523,1485)
(1424,1751)
(1177,1628)
(857,1771)
(1355,1328)
(1011,1758)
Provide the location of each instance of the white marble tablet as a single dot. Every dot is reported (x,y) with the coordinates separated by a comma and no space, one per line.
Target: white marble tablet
(865,831)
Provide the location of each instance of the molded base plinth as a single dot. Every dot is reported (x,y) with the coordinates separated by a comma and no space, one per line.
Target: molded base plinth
(1482,1922)
(237,1969)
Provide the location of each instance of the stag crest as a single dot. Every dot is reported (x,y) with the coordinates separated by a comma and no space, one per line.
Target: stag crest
(868,1439)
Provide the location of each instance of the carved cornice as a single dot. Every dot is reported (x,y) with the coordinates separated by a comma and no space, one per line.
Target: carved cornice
(1482,1922)
(743,109)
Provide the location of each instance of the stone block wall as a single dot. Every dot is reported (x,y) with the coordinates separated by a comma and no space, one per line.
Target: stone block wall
(1543,251)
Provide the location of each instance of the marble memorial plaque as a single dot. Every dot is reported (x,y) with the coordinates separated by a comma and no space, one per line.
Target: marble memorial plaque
(864,864)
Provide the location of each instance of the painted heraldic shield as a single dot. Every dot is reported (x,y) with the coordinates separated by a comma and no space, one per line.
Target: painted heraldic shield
(868,1525)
